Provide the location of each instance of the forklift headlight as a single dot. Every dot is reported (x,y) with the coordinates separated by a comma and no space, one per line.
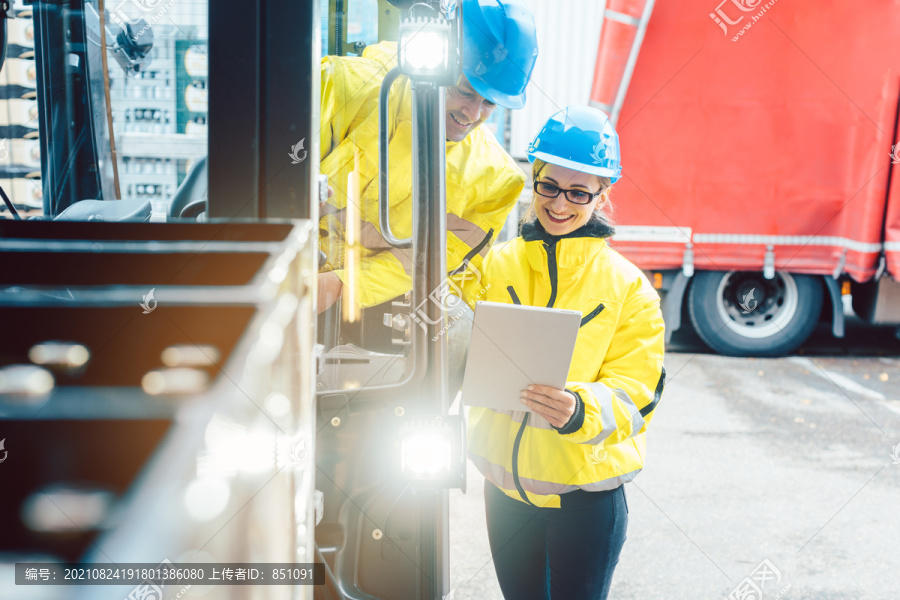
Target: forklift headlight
(432,452)
(426,455)
(425,50)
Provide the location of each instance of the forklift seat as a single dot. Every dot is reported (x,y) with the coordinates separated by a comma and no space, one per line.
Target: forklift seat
(103,210)
(188,201)
(191,196)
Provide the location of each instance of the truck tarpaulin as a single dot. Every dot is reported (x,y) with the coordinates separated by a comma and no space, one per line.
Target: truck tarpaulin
(754,129)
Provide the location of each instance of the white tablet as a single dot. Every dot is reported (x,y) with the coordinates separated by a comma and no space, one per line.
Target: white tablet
(514,346)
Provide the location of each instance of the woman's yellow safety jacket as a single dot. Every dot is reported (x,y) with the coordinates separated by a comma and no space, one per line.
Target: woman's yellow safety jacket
(483,181)
(616,373)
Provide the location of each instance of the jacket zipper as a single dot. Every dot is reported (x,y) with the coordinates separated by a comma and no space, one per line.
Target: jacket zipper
(515,462)
(521,432)
(551,272)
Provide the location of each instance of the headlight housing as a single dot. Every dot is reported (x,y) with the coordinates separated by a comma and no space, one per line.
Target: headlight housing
(432,452)
(427,51)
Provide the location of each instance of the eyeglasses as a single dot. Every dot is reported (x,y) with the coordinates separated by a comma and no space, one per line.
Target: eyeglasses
(548,190)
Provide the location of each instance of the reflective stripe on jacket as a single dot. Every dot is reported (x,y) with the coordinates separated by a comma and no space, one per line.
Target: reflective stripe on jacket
(617,368)
(483,181)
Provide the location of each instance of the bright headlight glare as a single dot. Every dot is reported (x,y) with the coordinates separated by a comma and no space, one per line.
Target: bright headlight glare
(425,51)
(426,454)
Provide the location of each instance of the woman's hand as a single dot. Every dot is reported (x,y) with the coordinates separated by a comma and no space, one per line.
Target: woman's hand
(557,406)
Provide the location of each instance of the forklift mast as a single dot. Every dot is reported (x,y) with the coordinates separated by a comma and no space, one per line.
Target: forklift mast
(385,534)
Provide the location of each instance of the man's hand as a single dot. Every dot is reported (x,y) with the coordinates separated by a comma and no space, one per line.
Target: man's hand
(557,406)
(330,286)
(323,205)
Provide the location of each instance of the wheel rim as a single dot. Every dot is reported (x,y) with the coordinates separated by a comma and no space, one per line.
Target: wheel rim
(755,307)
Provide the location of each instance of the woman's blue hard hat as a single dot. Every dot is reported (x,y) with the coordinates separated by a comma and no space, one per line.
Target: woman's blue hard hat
(580,138)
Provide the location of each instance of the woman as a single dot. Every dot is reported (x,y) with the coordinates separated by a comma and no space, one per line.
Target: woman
(556,509)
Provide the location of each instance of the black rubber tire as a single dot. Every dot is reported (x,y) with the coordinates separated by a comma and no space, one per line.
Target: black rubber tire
(789,314)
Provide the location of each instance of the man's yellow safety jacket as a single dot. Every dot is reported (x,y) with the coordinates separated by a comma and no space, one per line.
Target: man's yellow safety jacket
(483,181)
(616,373)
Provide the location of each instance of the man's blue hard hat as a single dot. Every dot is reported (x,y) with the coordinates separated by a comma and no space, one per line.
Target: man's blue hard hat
(499,49)
(579,138)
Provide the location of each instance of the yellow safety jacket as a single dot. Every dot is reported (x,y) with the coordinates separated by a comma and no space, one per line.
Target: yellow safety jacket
(483,181)
(616,372)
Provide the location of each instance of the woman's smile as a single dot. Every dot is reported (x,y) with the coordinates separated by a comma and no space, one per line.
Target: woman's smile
(558,218)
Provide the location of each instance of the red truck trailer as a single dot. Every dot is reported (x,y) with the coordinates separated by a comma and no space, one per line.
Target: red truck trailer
(760,151)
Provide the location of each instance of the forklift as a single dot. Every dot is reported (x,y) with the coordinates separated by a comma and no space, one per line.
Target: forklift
(168,395)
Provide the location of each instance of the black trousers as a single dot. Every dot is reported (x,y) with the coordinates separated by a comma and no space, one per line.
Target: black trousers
(566,553)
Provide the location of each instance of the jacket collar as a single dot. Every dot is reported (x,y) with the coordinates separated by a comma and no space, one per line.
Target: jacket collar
(572,251)
(533,230)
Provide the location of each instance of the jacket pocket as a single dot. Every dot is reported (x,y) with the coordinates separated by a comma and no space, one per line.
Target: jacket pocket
(598,326)
(590,316)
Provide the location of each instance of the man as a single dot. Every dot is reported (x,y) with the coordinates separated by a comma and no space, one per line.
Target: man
(483,182)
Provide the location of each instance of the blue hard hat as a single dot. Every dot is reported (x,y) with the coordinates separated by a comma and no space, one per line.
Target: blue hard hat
(499,49)
(579,138)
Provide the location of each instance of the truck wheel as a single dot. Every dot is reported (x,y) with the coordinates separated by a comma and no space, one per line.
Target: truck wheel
(741,313)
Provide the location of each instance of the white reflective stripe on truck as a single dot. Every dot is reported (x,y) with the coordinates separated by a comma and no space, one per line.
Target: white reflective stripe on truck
(786,240)
(621,17)
(640,233)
